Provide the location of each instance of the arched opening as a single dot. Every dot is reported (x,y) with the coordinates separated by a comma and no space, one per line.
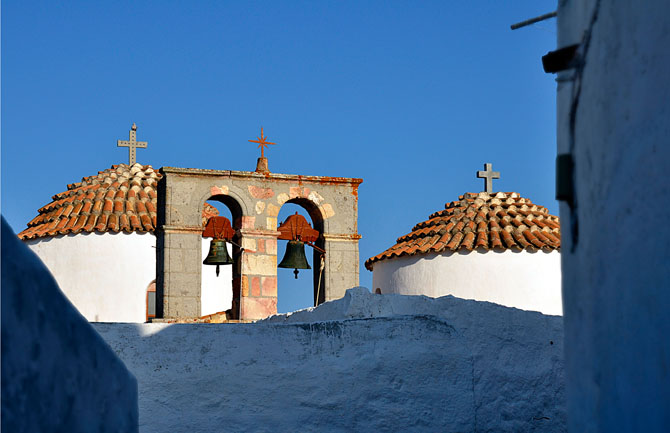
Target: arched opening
(151,301)
(294,294)
(220,293)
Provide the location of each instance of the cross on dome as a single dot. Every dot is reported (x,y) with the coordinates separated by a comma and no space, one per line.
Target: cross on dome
(488,175)
(132,144)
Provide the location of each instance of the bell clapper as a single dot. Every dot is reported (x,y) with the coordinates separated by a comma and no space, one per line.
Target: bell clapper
(295,272)
(217,270)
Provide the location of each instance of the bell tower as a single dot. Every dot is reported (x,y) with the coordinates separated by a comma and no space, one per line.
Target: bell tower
(332,203)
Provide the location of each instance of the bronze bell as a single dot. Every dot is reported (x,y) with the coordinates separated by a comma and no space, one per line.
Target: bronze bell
(218,254)
(294,257)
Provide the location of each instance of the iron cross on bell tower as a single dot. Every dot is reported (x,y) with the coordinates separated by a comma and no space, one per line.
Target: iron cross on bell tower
(132,144)
(488,175)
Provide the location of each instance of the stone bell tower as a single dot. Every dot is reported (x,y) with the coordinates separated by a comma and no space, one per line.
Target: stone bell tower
(254,199)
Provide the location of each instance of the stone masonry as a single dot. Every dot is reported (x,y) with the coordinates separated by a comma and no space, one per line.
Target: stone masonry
(254,199)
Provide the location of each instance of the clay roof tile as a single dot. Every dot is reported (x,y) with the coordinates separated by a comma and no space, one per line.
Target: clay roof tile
(146,222)
(468,241)
(113,223)
(90,223)
(455,241)
(87,208)
(118,207)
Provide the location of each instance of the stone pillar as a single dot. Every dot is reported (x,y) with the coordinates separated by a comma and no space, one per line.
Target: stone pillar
(258,293)
(342,266)
(181,269)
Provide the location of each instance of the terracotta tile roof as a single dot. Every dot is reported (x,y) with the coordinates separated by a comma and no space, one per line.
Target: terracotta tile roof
(499,221)
(121,198)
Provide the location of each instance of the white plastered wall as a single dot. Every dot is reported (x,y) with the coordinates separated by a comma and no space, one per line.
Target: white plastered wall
(613,117)
(216,292)
(105,275)
(523,279)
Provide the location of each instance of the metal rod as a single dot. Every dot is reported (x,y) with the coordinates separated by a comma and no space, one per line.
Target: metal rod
(318,287)
(533,20)
(240,247)
(315,247)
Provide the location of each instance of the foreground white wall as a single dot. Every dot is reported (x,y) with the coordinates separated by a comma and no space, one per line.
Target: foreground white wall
(361,363)
(58,375)
(614,118)
(104,275)
(525,280)
(217,292)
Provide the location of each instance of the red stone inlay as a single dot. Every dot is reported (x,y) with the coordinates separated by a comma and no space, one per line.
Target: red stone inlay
(255,286)
(259,192)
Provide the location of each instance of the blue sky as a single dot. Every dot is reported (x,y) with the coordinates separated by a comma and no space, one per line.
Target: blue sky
(413,97)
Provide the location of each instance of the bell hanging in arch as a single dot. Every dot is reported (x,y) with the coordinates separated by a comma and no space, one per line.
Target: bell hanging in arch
(294,257)
(218,254)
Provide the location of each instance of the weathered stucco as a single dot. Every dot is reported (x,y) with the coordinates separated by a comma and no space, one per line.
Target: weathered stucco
(520,279)
(58,375)
(614,119)
(362,363)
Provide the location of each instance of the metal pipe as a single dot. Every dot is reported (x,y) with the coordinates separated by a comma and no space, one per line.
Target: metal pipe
(533,20)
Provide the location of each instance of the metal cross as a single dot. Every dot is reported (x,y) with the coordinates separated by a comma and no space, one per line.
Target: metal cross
(132,144)
(262,143)
(488,177)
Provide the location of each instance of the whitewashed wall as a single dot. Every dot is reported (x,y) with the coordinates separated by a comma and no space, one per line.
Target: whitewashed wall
(525,280)
(58,375)
(362,363)
(104,275)
(217,292)
(614,118)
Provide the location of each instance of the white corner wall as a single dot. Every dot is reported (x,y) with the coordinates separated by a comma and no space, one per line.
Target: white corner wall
(216,292)
(525,280)
(614,118)
(58,375)
(104,275)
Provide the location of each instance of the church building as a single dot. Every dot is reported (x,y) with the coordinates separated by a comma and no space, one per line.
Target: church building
(98,240)
(489,246)
(129,244)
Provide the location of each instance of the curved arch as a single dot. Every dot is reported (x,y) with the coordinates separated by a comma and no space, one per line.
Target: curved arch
(150,300)
(232,200)
(237,205)
(320,223)
(315,211)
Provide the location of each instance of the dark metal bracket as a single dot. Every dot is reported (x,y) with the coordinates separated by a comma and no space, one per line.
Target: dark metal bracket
(561,59)
(565,184)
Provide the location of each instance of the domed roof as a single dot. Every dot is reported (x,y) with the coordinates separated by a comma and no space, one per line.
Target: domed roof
(488,221)
(120,199)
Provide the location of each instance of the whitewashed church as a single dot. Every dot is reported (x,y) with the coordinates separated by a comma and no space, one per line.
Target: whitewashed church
(97,239)
(490,246)
(436,357)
